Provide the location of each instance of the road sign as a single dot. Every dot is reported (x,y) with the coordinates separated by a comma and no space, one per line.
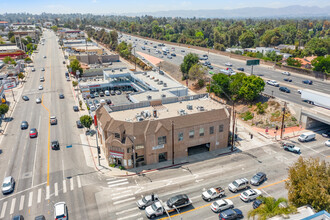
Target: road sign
(69,146)
(252,62)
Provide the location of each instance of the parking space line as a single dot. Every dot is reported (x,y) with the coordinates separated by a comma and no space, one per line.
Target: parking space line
(64,186)
(3,210)
(71,184)
(78,180)
(21,202)
(12,207)
(30,199)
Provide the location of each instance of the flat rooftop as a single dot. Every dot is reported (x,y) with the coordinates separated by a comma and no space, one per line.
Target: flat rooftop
(140,97)
(168,110)
(157,81)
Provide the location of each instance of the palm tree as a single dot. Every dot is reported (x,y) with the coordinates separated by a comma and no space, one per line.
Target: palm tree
(271,207)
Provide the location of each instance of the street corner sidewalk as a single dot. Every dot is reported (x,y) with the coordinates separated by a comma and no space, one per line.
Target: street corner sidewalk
(288,133)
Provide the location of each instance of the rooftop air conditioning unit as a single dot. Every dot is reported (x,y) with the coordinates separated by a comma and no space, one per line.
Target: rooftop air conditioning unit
(148,75)
(163,95)
(113,71)
(189,107)
(121,70)
(200,108)
(165,84)
(182,112)
(156,80)
(149,97)
(160,83)
(144,73)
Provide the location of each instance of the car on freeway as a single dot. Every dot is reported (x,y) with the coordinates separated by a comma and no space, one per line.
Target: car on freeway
(286,73)
(257,179)
(25,98)
(79,124)
(273,83)
(326,134)
(60,211)
(38,100)
(210,67)
(8,185)
(41,87)
(309,82)
(230,214)
(33,133)
(40,217)
(284,89)
(147,201)
(240,69)
(42,69)
(256,203)
(327,143)
(228,64)
(33,69)
(53,120)
(287,79)
(222,204)
(75,108)
(24,125)
(291,147)
(61,96)
(250,195)
(42,79)
(55,145)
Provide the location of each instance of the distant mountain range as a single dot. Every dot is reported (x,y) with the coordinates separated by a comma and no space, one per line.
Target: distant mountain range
(251,12)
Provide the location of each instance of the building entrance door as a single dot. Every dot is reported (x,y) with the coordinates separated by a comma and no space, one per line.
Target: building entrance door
(162,157)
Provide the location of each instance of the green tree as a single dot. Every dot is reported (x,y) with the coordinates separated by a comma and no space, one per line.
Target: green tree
(247,39)
(271,207)
(75,65)
(8,60)
(318,46)
(3,109)
(27,60)
(293,62)
(309,183)
(54,28)
(29,39)
(220,84)
(11,34)
(251,88)
(188,61)
(113,40)
(86,121)
(197,72)
(21,76)
(322,64)
(12,39)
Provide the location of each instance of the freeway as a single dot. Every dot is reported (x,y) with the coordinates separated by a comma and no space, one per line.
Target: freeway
(45,176)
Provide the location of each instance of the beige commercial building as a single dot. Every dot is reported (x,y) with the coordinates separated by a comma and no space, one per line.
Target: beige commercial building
(199,124)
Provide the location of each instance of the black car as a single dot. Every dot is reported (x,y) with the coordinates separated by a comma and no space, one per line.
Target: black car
(210,67)
(230,214)
(79,125)
(309,82)
(178,201)
(240,69)
(24,125)
(173,54)
(284,89)
(40,217)
(61,96)
(287,80)
(258,178)
(108,101)
(55,145)
(256,203)
(75,108)
(25,98)
(101,94)
(92,96)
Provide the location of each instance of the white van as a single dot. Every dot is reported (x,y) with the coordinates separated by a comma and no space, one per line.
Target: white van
(106,92)
(306,137)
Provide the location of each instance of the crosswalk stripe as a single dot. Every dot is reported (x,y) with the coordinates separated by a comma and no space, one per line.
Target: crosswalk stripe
(118,184)
(113,178)
(12,207)
(120,193)
(30,199)
(71,184)
(78,180)
(127,210)
(122,196)
(47,192)
(39,196)
(130,216)
(117,181)
(56,189)
(3,210)
(125,200)
(21,203)
(64,186)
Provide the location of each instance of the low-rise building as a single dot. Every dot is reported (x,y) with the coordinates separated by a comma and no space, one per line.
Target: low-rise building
(3,24)
(154,131)
(306,62)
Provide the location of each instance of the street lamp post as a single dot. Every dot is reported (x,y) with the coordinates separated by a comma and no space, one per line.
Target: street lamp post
(178,211)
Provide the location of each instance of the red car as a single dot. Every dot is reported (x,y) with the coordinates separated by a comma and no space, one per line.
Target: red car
(33,133)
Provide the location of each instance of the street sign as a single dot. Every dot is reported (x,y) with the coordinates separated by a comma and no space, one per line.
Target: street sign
(69,146)
(252,62)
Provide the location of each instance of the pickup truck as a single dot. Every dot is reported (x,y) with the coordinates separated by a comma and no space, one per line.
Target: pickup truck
(213,193)
(173,204)
(239,184)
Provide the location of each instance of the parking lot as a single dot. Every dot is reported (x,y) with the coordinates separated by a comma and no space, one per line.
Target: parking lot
(114,98)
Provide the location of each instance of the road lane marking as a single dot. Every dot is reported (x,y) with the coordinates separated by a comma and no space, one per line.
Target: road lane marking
(35,154)
(21,202)
(118,184)
(78,180)
(125,200)
(47,192)
(237,195)
(130,216)
(39,196)
(266,193)
(71,184)
(30,199)
(120,193)
(56,189)
(127,210)
(64,186)
(12,207)
(7,197)
(3,210)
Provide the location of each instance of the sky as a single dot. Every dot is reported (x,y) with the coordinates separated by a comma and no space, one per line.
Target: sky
(131,6)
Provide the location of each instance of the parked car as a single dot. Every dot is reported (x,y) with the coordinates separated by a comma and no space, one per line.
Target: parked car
(40,217)
(169,57)
(25,98)
(75,108)
(96,94)
(112,92)
(61,96)
(299,91)
(286,73)
(33,69)
(45,57)
(38,100)
(182,51)
(33,133)
(291,147)
(257,179)
(173,54)
(256,203)
(92,96)
(309,82)
(231,214)
(250,195)
(24,125)
(239,184)
(55,145)
(79,124)
(96,102)
(53,120)
(108,101)
(273,83)
(222,204)
(327,143)
(8,185)
(284,89)
(240,69)
(118,92)
(40,87)
(326,134)
(210,67)
(60,211)
(106,92)
(287,79)
(147,200)
(18,217)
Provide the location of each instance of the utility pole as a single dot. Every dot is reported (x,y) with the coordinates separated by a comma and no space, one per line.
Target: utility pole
(12,92)
(172,143)
(282,125)
(233,133)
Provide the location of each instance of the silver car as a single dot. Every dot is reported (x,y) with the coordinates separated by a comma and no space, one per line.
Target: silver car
(8,185)
(147,201)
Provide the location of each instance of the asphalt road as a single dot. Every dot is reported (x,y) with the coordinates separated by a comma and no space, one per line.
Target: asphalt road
(44,176)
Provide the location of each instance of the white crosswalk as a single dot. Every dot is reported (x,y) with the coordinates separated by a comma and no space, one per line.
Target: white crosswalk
(112,182)
(34,196)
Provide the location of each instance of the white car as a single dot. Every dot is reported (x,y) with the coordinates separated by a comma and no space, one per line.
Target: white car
(102,101)
(273,83)
(250,194)
(228,64)
(38,100)
(286,73)
(45,57)
(60,211)
(40,87)
(327,143)
(42,79)
(299,91)
(221,204)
